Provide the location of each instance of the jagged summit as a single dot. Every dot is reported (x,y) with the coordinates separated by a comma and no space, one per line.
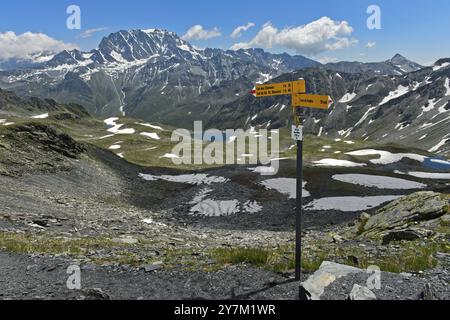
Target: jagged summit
(398,57)
(397,65)
(403,64)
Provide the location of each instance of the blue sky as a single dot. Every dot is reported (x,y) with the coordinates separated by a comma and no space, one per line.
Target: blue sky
(417,29)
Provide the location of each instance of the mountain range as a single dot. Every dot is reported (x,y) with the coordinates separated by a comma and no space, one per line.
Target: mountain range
(412,109)
(157,76)
(145,73)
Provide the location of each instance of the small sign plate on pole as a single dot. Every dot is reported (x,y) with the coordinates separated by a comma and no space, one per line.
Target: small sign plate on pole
(297,133)
(299,86)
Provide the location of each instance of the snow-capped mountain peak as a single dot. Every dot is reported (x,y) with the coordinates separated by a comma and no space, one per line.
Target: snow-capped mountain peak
(136,45)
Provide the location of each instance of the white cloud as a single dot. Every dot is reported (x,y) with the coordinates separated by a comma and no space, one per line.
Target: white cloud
(340,44)
(371,45)
(238,31)
(313,38)
(25,45)
(90,32)
(197,32)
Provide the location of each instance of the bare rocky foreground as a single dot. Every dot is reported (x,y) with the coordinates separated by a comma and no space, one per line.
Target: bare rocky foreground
(135,235)
(43,278)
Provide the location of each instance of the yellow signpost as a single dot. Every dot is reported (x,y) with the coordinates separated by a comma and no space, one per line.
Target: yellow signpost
(311,101)
(300,100)
(278,89)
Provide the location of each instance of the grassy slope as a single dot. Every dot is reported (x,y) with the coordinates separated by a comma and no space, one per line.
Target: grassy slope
(149,152)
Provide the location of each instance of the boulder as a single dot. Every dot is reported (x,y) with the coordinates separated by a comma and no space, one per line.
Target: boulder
(125,240)
(407,218)
(328,273)
(445,220)
(405,235)
(153,267)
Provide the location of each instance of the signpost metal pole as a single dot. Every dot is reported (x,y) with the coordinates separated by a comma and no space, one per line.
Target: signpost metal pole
(299,209)
(300,100)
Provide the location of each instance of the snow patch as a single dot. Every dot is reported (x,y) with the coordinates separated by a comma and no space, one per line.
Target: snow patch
(439,145)
(286,186)
(442,66)
(216,208)
(447,87)
(117,130)
(41,116)
(430,106)
(112,122)
(380,182)
(386,157)
(170,156)
(151,135)
(401,90)
(345,133)
(252,207)
(365,116)
(349,204)
(337,163)
(348,97)
(320,132)
(430,175)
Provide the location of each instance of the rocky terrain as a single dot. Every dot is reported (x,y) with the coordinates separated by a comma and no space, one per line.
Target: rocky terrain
(152,231)
(98,188)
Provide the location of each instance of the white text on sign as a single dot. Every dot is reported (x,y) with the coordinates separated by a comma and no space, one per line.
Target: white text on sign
(311,101)
(278,89)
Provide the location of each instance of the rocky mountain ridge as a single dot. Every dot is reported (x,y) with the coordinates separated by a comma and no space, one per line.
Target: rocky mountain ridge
(157,76)
(411,109)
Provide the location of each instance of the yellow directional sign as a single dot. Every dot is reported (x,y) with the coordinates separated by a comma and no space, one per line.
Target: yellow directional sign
(311,101)
(278,89)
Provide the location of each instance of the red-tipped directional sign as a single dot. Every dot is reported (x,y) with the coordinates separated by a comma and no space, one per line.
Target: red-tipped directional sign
(278,89)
